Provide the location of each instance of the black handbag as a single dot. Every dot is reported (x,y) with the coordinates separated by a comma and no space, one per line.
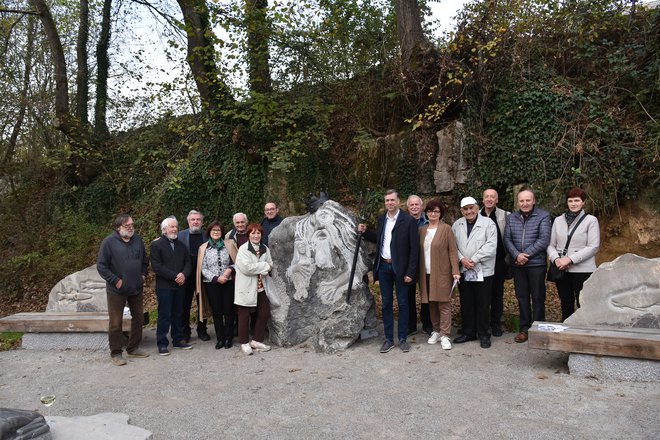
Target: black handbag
(554,273)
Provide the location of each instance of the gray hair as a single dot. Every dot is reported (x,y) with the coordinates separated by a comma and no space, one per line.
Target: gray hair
(233,219)
(193,212)
(166,222)
(414,196)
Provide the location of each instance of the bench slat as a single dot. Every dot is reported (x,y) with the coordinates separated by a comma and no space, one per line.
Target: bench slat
(59,322)
(638,343)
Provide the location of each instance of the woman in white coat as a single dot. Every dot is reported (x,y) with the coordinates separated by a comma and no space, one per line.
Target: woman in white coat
(253,262)
(579,260)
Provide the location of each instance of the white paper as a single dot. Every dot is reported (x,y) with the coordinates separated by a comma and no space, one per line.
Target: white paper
(556,328)
(476,274)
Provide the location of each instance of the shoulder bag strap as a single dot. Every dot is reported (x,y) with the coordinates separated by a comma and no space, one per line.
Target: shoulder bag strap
(568,241)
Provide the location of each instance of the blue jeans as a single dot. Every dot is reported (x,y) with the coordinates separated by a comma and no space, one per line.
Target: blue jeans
(170,304)
(387,282)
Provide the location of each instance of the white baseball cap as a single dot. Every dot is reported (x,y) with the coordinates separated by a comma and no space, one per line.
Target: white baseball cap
(465,201)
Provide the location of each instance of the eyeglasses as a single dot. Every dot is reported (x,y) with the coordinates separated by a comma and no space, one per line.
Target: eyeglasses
(216,230)
(128,225)
(433,212)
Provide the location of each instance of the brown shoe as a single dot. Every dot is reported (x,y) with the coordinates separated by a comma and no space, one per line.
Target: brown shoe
(521,337)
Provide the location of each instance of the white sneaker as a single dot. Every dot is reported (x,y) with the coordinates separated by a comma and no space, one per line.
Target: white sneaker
(445,343)
(245,348)
(435,336)
(258,346)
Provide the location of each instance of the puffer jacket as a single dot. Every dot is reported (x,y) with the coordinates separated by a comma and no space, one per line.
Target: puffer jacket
(530,235)
(248,267)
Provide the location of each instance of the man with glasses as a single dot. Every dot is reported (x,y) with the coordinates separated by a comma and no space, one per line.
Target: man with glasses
(270,221)
(192,238)
(122,263)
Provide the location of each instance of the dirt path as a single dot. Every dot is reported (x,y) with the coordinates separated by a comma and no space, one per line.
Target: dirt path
(505,392)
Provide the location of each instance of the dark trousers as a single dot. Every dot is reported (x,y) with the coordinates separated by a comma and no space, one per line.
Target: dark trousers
(530,293)
(170,302)
(221,300)
(497,294)
(569,291)
(187,307)
(412,309)
(263,313)
(425,317)
(475,306)
(387,282)
(116,338)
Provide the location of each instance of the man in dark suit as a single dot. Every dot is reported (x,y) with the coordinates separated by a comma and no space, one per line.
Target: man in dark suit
(192,238)
(171,264)
(396,265)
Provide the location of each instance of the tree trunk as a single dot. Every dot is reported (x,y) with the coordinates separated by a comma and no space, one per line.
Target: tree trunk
(9,153)
(103,66)
(62,120)
(82,76)
(409,29)
(258,35)
(201,55)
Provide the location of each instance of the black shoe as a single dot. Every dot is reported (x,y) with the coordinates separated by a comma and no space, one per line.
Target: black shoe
(464,338)
(203,335)
(496,330)
(228,343)
(219,344)
(484,342)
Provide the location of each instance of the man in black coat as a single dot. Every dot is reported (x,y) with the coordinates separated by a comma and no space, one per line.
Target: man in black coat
(171,264)
(396,265)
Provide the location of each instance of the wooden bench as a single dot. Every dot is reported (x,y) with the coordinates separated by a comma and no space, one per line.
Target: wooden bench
(59,322)
(638,343)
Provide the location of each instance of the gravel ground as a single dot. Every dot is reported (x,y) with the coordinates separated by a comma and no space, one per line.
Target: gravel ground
(505,392)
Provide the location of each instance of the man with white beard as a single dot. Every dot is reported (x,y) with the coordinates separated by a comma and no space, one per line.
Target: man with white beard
(192,238)
(171,264)
(122,263)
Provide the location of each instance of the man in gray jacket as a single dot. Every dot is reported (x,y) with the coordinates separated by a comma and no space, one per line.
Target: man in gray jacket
(122,263)
(526,237)
(476,241)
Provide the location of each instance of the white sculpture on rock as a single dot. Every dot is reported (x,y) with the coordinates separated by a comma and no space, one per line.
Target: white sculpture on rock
(82,291)
(324,241)
(312,256)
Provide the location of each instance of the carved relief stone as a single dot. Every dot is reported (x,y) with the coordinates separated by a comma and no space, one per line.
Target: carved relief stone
(82,291)
(312,257)
(624,292)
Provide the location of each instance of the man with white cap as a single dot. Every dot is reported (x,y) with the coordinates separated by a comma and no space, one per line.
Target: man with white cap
(476,240)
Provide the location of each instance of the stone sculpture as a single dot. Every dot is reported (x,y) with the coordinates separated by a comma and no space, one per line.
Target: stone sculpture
(18,424)
(82,291)
(312,255)
(624,292)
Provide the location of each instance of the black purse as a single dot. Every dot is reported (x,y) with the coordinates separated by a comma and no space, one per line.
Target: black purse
(554,273)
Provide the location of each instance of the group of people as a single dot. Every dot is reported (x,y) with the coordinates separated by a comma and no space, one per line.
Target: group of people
(478,253)
(224,272)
